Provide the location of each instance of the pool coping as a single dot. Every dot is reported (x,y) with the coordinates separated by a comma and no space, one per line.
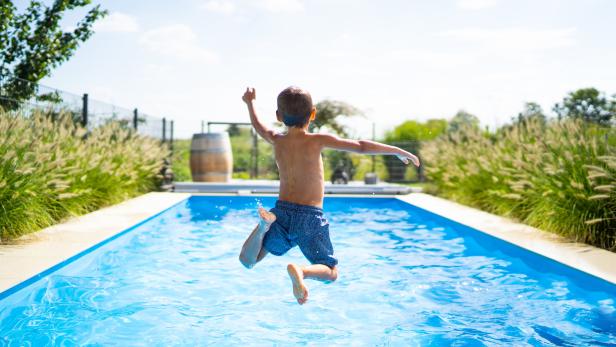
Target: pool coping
(273,186)
(34,255)
(589,259)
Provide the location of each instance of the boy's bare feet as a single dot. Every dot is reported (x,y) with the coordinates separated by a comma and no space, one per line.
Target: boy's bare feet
(299,289)
(267,218)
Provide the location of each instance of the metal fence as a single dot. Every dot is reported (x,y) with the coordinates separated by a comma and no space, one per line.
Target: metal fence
(254,158)
(25,97)
(387,168)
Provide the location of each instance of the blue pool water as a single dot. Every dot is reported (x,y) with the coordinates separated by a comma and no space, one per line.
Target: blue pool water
(407,277)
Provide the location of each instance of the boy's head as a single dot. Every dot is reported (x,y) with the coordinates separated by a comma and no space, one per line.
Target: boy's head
(295,107)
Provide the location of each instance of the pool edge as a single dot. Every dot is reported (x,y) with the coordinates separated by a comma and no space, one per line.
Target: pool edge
(586,258)
(36,255)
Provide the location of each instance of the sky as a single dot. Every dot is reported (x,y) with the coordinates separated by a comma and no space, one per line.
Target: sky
(397,60)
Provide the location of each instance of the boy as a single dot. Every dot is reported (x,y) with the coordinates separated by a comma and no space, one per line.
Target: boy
(298,218)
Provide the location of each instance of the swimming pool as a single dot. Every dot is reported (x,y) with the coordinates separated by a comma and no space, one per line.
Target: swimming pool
(407,277)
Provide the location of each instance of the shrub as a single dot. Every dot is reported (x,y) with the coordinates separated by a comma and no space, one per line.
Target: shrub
(559,176)
(52,169)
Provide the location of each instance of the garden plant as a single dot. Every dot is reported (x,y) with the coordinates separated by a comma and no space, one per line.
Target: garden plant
(51,169)
(559,175)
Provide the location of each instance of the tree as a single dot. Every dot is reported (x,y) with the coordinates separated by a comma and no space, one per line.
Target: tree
(328,113)
(587,104)
(414,131)
(461,120)
(233,130)
(33,43)
(532,111)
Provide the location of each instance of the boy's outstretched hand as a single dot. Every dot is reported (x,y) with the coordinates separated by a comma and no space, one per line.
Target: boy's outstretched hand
(407,157)
(249,95)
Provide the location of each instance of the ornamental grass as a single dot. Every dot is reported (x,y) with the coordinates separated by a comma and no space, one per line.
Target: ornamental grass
(51,169)
(558,176)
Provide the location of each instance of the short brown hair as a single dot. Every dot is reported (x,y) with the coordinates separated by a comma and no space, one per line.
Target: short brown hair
(295,106)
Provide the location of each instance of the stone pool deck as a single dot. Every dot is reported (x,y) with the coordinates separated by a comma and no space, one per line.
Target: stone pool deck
(35,253)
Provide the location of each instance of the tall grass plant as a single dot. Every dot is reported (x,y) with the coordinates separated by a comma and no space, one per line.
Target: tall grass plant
(51,169)
(559,176)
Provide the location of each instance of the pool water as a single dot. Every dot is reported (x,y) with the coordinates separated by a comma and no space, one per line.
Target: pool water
(407,277)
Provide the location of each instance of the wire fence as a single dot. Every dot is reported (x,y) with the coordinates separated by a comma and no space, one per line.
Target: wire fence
(25,97)
(254,158)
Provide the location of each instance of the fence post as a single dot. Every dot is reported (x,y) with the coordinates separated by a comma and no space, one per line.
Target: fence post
(164,129)
(135,118)
(84,110)
(171,136)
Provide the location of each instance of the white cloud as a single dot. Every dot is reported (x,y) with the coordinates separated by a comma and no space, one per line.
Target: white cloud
(279,6)
(476,4)
(219,6)
(515,39)
(177,41)
(117,22)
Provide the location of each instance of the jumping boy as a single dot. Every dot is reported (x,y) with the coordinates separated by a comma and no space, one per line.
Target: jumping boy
(297,219)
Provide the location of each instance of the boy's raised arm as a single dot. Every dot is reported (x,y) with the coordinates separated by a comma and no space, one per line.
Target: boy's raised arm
(249,96)
(367,147)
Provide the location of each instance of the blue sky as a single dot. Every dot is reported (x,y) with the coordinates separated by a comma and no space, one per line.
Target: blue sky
(190,60)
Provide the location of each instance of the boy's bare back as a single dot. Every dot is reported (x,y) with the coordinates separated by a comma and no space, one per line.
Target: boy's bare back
(298,157)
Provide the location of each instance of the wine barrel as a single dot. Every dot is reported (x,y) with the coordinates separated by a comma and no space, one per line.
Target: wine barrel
(210,157)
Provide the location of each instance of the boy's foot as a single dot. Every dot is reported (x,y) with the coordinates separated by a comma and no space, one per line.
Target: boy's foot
(297,278)
(267,218)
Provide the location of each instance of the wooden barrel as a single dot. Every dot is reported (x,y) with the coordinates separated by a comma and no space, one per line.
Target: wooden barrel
(210,157)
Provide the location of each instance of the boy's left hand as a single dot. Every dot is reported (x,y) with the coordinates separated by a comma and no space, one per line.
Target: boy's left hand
(408,157)
(249,95)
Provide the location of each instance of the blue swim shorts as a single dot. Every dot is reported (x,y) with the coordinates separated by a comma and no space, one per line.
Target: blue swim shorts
(303,226)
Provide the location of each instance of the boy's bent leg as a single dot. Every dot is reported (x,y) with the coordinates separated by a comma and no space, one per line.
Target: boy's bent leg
(252,250)
(300,291)
(316,272)
(320,272)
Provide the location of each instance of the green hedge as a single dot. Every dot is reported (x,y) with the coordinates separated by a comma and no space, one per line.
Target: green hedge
(559,176)
(52,169)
